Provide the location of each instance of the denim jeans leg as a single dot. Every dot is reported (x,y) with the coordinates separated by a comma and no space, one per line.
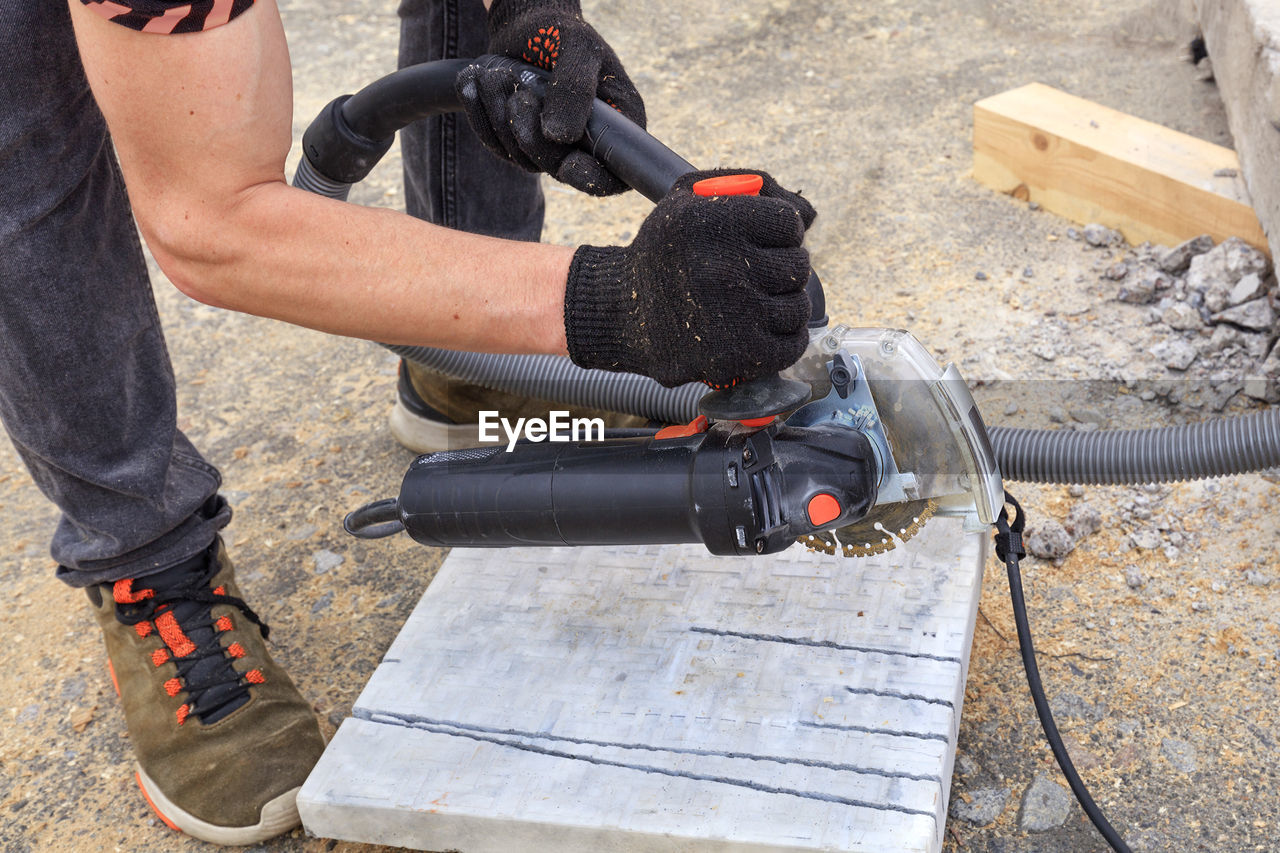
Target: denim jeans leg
(86,388)
(449,177)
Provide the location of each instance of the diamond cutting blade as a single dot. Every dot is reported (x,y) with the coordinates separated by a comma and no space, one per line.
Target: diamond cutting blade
(876,533)
(821,541)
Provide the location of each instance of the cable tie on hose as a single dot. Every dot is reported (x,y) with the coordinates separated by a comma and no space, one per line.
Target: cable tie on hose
(1008,537)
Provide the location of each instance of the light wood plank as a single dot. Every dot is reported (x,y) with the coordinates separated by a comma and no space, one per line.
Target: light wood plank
(1090,163)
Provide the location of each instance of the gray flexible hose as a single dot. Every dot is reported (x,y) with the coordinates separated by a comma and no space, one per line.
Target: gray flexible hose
(1213,448)
(550,377)
(308,178)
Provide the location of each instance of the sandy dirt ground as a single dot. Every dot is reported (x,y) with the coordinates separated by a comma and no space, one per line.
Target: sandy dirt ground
(1166,689)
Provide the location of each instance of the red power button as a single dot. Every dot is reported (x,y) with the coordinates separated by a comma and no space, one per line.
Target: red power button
(823,509)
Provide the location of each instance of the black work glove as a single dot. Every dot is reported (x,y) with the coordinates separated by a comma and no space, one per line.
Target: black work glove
(535,133)
(711,289)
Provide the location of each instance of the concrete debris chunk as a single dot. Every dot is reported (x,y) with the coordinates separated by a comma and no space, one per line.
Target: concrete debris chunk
(1101,235)
(1136,293)
(1246,289)
(1262,384)
(1213,293)
(1143,286)
(1116,271)
(1217,271)
(1146,540)
(1133,577)
(1257,315)
(1085,415)
(1182,316)
(1261,388)
(983,807)
(1045,805)
(1242,259)
(1175,354)
(1049,540)
(1175,260)
(1218,391)
(1083,520)
(1225,337)
(1271,366)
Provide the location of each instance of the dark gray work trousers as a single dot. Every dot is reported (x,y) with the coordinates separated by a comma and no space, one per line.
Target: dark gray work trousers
(86,386)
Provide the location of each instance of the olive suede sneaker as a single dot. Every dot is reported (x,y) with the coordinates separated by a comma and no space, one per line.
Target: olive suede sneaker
(436,412)
(222,737)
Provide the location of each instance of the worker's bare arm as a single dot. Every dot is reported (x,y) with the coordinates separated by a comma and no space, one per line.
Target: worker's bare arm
(202,125)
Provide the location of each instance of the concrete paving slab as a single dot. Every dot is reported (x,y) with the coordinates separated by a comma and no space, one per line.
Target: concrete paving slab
(660,698)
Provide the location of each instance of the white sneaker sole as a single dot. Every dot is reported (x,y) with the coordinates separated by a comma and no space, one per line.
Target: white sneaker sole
(422,435)
(278,816)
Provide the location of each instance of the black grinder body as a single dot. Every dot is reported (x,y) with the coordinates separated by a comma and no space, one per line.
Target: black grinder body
(736,489)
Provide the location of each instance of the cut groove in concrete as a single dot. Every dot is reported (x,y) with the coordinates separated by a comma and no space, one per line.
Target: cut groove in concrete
(661,699)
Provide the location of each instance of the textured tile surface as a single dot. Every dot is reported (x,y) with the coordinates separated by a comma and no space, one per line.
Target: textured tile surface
(663,699)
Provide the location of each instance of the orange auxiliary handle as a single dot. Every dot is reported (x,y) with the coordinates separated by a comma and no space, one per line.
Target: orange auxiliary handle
(729,185)
(733,185)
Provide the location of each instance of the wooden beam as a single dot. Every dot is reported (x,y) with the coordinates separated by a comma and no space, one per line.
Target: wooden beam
(1090,163)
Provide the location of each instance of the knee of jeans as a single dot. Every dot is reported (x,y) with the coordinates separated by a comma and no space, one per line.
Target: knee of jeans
(411,9)
(80,165)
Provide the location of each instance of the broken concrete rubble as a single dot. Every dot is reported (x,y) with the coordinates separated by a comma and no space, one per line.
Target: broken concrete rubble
(1175,354)
(1217,271)
(1247,288)
(1100,235)
(1220,303)
(1257,315)
(1182,316)
(1176,259)
(1144,285)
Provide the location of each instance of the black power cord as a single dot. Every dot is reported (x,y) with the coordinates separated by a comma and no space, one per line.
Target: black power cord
(1008,542)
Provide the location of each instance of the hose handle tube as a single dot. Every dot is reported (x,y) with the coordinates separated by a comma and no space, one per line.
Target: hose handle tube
(352,133)
(645,164)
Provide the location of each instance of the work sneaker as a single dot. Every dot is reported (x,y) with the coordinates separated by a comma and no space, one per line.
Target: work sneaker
(437,412)
(222,737)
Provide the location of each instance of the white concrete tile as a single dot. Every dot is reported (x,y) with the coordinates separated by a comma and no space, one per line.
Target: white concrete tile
(663,699)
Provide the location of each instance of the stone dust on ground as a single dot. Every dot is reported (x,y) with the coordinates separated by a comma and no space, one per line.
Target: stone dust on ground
(1157,635)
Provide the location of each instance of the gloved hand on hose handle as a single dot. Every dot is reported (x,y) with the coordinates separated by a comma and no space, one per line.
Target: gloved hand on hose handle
(535,133)
(711,289)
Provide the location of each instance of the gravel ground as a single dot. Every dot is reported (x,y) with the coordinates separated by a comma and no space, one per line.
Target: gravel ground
(1151,606)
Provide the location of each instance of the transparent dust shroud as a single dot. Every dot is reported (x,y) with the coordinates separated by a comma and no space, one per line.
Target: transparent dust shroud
(938,442)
